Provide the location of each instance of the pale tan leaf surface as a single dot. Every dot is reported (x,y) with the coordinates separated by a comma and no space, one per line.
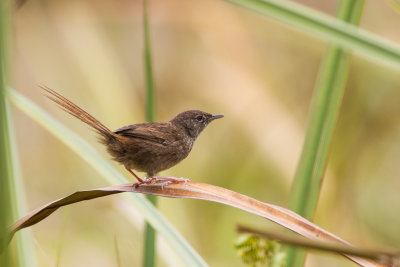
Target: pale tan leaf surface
(282,216)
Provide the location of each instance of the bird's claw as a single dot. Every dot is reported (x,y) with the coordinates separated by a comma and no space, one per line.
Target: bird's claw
(165,180)
(172,180)
(145,181)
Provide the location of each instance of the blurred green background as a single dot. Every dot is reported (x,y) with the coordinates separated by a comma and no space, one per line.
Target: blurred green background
(217,57)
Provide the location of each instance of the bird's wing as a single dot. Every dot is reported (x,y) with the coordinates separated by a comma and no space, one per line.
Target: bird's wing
(153,132)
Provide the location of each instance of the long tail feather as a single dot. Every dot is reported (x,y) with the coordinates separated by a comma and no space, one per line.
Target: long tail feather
(77,112)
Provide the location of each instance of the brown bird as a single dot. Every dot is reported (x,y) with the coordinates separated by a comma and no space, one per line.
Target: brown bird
(148,147)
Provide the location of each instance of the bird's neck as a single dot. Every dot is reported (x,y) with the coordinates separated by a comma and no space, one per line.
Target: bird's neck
(182,127)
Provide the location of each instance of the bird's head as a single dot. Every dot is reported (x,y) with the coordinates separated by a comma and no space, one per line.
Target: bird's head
(193,121)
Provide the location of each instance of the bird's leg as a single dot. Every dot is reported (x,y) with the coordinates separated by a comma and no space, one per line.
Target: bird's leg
(140,180)
(137,177)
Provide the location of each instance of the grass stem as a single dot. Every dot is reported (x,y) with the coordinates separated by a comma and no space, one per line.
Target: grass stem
(325,107)
(150,234)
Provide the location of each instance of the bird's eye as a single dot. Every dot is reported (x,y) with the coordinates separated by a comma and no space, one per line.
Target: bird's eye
(200,118)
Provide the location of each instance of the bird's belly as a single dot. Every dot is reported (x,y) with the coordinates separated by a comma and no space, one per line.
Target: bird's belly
(153,158)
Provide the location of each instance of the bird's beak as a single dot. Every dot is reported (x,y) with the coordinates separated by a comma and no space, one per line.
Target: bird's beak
(213,117)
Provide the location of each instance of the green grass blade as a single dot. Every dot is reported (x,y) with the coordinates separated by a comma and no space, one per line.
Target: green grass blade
(5,177)
(325,108)
(149,256)
(5,152)
(326,27)
(84,150)
(11,186)
(324,112)
(150,98)
(23,242)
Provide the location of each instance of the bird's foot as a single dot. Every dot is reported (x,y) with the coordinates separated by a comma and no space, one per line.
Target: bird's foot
(164,181)
(145,181)
(172,180)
